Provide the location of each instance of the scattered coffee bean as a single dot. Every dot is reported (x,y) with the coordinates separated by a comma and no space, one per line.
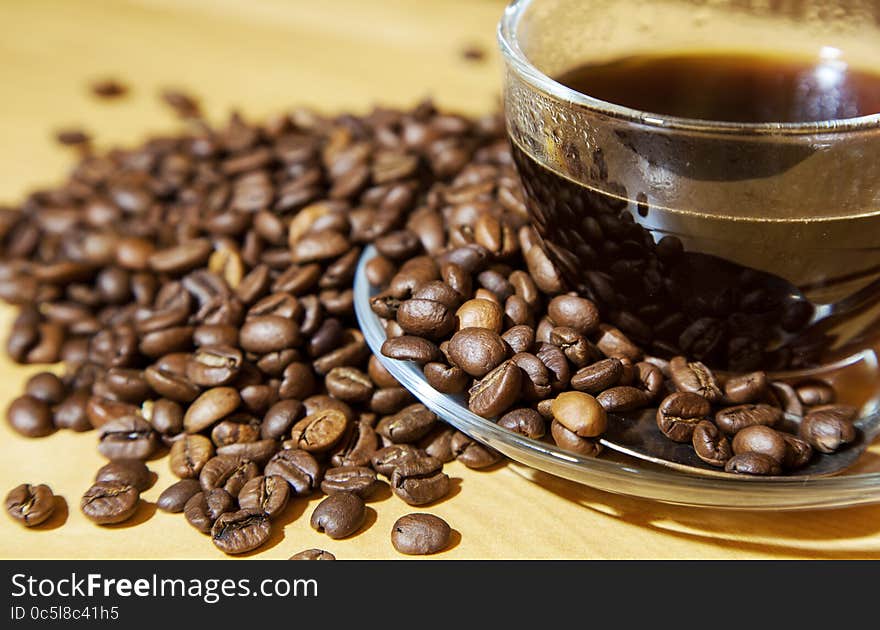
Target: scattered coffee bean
(420,534)
(189,455)
(128,437)
(358,480)
(339,515)
(580,413)
(419,480)
(127,472)
(680,413)
(240,532)
(30,505)
(732,420)
(710,444)
(471,453)
(760,439)
(525,421)
(828,428)
(267,495)
(30,416)
(106,503)
(174,497)
(313,554)
(298,468)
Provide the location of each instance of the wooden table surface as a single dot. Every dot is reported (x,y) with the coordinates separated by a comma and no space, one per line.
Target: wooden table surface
(263,56)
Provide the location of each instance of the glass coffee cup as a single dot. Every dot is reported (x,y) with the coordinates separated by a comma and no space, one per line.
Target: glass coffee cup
(743,245)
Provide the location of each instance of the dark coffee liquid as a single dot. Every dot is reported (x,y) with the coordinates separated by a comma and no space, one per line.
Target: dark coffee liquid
(732,87)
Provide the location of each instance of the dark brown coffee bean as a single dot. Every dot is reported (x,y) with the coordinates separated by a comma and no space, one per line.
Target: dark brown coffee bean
(349,384)
(212,366)
(268,333)
(815,392)
(734,419)
(747,388)
(520,338)
(710,444)
(100,411)
(211,406)
(543,271)
(438,443)
(166,417)
(445,378)
(425,318)
(623,398)
(128,437)
(694,377)
(524,421)
(420,534)
(181,258)
(379,271)
(408,425)
(71,413)
(321,402)
(47,387)
(174,497)
(787,397)
(471,453)
(537,383)
(353,352)
(386,459)
(280,417)
(573,312)
(320,431)
(127,384)
(258,452)
(240,532)
(129,472)
(298,381)
(829,427)
(218,502)
(227,472)
(680,413)
(237,429)
(497,391)
(556,362)
(358,480)
(170,385)
(596,378)
(267,495)
(379,374)
(106,504)
(320,245)
(29,416)
(298,468)
(189,455)
(752,464)
(29,504)
(419,480)
(798,452)
(477,351)
(580,413)
(571,441)
(613,343)
(390,400)
(760,439)
(197,513)
(339,515)
(409,348)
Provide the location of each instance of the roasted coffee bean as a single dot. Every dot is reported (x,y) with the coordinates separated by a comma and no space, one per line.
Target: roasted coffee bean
(379,374)
(268,333)
(580,413)
(298,381)
(240,532)
(419,480)
(747,388)
(47,387)
(128,385)
(410,348)
(313,554)
(420,534)
(596,378)
(258,452)
(218,502)
(613,343)
(574,312)
(320,431)
(280,417)
(128,437)
(694,377)
(268,495)
(321,402)
(227,472)
(571,441)
(211,406)
(555,360)
(524,421)
(829,427)
(680,413)
(106,504)
(166,416)
(298,468)
(710,444)
(386,459)
(128,472)
(815,392)
(478,313)
(497,391)
(174,497)
(170,385)
(787,397)
(471,453)
(732,420)
(425,318)
(348,384)
(196,513)
(623,398)
(339,515)
(358,480)
(760,439)
(71,413)
(29,416)
(212,366)
(752,464)
(181,258)
(390,400)
(189,455)
(29,504)
(438,443)
(237,429)
(445,378)
(536,380)
(520,338)
(215,335)
(408,425)
(798,452)
(477,351)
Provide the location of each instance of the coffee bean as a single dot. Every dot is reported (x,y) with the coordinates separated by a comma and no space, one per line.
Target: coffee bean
(240,532)
(734,419)
(524,421)
(596,378)
(410,348)
(280,417)
(797,452)
(128,472)
(571,441)
(298,381)
(752,464)
(320,431)
(47,387)
(471,453)
(357,447)
(438,443)
(348,384)
(259,452)
(71,413)
(128,437)
(815,392)
(623,398)
(419,480)
(694,377)
(710,445)
(227,472)
(479,313)
(30,505)
(301,471)
(680,413)
(30,416)
(537,382)
(174,497)
(170,385)
(520,338)
(760,439)
(197,513)
(425,318)
(390,400)
(420,534)
(747,388)
(212,366)
(574,312)
(106,504)
(497,391)
(358,480)
(555,360)
(613,343)
(181,258)
(408,425)
(267,495)
(339,515)
(313,554)
(477,351)
(236,429)
(445,378)
(268,333)
(787,397)
(580,413)
(829,427)
(211,406)
(189,455)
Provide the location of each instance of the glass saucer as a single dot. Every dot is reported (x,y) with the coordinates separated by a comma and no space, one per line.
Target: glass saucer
(613,472)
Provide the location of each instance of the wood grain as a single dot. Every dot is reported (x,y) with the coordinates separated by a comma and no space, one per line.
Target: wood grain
(337,55)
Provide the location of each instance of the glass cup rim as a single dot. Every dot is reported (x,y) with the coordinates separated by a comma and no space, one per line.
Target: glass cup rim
(517,60)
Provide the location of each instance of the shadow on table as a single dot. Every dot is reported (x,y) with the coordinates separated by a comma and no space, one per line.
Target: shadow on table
(767,532)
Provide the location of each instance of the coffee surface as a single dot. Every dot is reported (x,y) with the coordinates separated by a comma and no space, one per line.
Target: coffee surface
(733,87)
